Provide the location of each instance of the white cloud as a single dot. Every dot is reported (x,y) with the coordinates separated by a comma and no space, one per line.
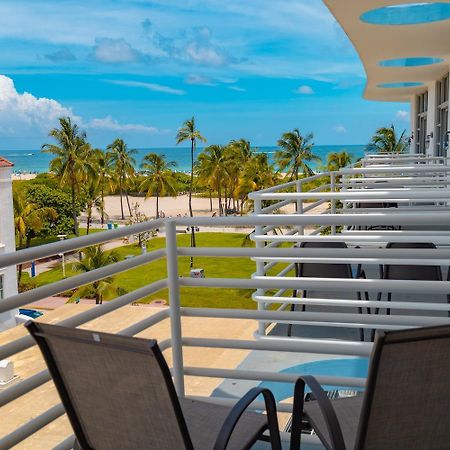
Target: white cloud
(114,51)
(150,86)
(402,115)
(108,123)
(25,114)
(340,128)
(305,90)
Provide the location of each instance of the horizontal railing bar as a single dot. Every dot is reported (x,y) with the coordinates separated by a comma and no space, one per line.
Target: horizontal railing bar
(396,169)
(406,262)
(42,377)
(29,428)
(364,194)
(67,245)
(317,219)
(313,205)
(259,375)
(291,344)
(274,207)
(354,303)
(323,317)
(66,444)
(344,253)
(330,284)
(145,323)
(86,316)
(25,298)
(439,239)
(23,387)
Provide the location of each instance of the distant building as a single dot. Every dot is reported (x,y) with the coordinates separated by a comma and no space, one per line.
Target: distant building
(405,50)
(8,276)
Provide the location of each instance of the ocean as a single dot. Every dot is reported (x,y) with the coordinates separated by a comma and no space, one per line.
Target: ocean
(34,161)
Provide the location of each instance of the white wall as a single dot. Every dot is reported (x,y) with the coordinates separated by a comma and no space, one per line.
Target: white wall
(7,239)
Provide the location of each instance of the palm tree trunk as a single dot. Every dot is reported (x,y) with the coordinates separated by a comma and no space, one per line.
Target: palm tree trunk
(157,204)
(103,205)
(74,209)
(128,202)
(88,225)
(191,186)
(121,200)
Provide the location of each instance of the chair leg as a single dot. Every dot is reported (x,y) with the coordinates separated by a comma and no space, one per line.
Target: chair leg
(376,311)
(389,297)
(360,310)
(289,330)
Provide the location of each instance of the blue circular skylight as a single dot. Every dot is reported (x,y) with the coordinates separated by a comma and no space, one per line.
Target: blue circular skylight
(410,62)
(402,84)
(408,14)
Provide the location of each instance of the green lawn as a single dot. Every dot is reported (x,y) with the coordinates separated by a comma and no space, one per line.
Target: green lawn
(198,297)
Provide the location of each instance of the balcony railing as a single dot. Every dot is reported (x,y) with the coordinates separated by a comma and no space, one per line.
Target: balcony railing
(415,188)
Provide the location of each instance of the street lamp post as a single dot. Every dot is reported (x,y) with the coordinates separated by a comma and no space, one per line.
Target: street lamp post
(61,237)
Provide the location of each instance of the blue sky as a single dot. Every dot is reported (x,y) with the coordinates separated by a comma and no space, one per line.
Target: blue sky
(137,69)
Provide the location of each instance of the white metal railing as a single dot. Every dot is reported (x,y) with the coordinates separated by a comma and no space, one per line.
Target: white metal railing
(273,281)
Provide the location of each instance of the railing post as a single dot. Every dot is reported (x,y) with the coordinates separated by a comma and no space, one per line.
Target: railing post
(260,265)
(174,306)
(301,228)
(333,201)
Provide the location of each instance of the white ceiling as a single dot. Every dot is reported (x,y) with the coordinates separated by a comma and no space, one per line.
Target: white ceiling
(375,43)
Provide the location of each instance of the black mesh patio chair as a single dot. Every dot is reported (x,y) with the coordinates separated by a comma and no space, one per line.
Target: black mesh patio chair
(408,272)
(317,270)
(118,394)
(405,404)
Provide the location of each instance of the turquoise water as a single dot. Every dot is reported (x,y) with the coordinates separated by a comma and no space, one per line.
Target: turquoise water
(35,161)
(351,367)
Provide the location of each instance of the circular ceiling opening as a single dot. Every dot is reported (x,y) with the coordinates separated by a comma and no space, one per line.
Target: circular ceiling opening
(401,84)
(408,14)
(410,62)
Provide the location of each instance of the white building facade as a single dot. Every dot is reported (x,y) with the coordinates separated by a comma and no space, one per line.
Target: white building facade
(405,49)
(8,276)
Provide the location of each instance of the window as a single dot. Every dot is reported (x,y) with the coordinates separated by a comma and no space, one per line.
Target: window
(442,136)
(421,123)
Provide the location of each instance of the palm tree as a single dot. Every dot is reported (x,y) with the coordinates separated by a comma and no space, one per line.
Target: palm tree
(238,153)
(385,140)
(257,174)
(95,258)
(104,168)
(338,160)
(212,169)
(295,153)
(29,219)
(159,178)
(189,132)
(123,163)
(72,163)
(94,200)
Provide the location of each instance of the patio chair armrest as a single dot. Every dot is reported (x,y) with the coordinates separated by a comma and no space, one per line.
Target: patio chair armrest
(240,407)
(329,414)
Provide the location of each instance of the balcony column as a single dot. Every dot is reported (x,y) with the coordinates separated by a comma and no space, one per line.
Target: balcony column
(175,306)
(7,244)
(431,120)
(413,125)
